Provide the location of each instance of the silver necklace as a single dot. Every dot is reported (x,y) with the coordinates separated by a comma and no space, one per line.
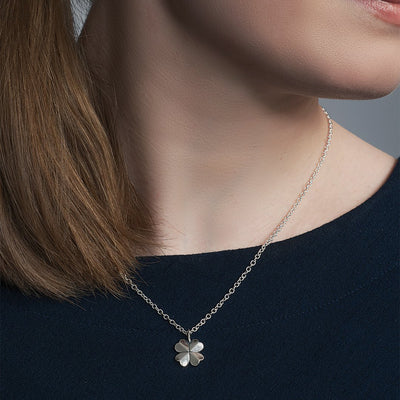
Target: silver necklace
(189,350)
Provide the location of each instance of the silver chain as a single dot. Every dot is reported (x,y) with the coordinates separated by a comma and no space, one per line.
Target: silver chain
(252,263)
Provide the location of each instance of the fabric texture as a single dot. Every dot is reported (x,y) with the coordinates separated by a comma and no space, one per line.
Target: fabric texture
(316,318)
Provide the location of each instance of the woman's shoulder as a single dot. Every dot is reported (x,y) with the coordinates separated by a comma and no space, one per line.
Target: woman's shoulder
(353,178)
(356,170)
(366,166)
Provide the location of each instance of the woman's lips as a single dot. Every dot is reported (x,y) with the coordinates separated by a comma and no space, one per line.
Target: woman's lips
(388,11)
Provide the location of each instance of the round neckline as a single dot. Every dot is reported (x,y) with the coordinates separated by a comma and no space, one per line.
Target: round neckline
(382,190)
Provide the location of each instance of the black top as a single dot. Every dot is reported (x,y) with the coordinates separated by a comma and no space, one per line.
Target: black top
(316,318)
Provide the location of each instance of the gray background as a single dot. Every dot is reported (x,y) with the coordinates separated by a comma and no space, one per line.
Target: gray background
(375,121)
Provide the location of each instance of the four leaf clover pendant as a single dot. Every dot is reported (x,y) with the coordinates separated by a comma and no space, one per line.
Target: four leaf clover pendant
(189,352)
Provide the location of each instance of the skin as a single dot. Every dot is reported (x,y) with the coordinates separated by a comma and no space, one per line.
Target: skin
(218,111)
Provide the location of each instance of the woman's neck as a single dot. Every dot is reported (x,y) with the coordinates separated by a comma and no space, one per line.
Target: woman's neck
(218,149)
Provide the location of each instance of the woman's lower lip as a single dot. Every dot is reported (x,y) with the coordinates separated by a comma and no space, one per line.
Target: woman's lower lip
(385,10)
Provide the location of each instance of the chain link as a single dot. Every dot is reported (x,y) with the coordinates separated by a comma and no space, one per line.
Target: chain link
(252,262)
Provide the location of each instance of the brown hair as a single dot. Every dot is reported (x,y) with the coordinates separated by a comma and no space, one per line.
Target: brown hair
(70,219)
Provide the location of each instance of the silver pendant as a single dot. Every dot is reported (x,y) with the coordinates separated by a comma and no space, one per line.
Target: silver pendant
(189,352)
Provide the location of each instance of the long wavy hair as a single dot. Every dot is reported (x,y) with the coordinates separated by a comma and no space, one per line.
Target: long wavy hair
(70,219)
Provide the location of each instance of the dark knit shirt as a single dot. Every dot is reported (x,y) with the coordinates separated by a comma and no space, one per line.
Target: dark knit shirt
(316,318)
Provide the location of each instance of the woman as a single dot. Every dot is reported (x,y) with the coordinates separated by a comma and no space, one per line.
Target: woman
(176,155)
